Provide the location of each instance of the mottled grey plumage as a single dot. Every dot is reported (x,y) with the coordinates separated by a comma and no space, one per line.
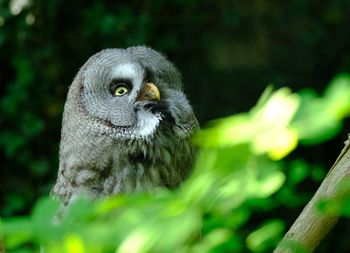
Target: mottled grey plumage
(112,144)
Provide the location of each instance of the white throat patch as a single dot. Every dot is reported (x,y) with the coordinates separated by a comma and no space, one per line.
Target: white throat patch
(147,123)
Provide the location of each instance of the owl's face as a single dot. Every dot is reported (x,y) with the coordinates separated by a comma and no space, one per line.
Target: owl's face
(132,91)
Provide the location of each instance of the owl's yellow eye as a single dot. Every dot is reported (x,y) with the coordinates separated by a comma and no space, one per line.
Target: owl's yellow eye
(120,90)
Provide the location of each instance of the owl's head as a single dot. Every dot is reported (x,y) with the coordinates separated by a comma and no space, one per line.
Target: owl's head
(129,93)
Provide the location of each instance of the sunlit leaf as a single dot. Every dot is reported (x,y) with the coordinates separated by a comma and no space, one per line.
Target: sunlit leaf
(43,217)
(17,231)
(337,95)
(266,127)
(269,184)
(266,236)
(74,244)
(213,239)
(319,118)
(277,144)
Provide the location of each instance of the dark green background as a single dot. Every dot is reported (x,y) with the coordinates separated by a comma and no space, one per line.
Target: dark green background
(227,51)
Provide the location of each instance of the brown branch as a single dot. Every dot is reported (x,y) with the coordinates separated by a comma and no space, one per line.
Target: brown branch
(312,225)
(2,246)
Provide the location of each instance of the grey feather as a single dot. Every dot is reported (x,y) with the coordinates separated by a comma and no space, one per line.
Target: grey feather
(111,145)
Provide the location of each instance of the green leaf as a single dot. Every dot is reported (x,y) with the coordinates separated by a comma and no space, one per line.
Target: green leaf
(299,170)
(266,236)
(17,231)
(319,118)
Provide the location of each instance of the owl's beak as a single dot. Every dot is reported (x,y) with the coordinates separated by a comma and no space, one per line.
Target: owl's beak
(149,92)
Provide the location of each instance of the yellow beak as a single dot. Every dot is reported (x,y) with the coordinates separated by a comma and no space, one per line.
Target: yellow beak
(149,92)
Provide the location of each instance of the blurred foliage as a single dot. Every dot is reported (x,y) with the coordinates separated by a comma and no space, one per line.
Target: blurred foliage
(227,52)
(238,170)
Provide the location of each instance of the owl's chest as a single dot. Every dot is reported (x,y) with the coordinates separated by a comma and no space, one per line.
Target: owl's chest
(100,169)
(133,177)
(141,170)
(128,169)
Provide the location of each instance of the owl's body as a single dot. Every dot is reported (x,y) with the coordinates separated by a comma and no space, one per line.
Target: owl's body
(127,126)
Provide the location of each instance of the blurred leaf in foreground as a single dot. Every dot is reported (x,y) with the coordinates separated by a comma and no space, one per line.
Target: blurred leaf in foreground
(268,234)
(320,118)
(265,128)
(237,169)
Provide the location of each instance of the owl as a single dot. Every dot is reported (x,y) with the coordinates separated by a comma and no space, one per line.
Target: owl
(127,127)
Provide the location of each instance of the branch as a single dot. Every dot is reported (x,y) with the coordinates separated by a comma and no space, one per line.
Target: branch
(2,246)
(311,226)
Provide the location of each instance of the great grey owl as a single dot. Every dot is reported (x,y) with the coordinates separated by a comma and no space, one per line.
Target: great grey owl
(127,126)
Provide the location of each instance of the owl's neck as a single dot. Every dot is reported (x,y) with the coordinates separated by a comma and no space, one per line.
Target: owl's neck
(147,124)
